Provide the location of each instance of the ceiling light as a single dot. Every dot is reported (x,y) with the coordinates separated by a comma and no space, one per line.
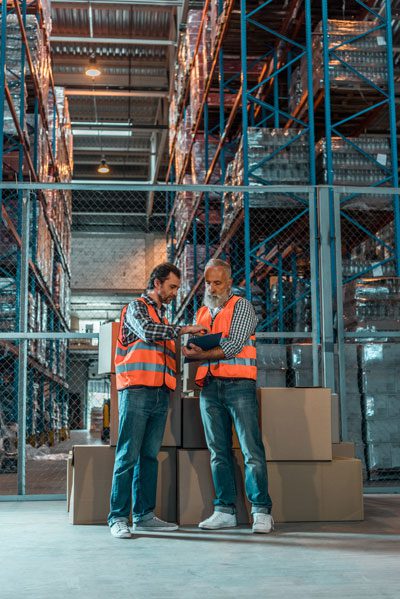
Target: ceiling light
(92,70)
(103,167)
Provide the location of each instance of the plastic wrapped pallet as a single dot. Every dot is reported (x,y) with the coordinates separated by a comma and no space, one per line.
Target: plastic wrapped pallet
(352,167)
(271,365)
(289,165)
(365,54)
(372,304)
(199,167)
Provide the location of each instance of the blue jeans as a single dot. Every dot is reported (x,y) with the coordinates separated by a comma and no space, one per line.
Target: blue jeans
(221,402)
(142,416)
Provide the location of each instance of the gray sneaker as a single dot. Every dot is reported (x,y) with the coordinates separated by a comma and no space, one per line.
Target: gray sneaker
(154,524)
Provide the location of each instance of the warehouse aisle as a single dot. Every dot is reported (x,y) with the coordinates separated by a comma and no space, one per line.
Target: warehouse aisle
(42,556)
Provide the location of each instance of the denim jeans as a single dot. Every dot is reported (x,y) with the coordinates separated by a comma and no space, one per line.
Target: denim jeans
(142,416)
(221,402)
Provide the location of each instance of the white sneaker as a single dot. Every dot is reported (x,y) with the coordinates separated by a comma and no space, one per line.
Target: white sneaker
(154,524)
(219,520)
(120,530)
(263,523)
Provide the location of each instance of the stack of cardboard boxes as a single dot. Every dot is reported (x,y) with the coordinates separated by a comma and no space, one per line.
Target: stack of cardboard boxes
(312,476)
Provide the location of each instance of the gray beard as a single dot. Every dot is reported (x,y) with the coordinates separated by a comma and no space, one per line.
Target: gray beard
(214,301)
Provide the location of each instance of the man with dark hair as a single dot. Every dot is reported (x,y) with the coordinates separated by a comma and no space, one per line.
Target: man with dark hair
(227,376)
(145,374)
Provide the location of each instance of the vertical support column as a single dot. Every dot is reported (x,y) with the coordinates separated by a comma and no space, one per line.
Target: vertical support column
(339,317)
(393,130)
(327,338)
(22,97)
(328,120)
(280,298)
(3,46)
(276,92)
(245,146)
(206,195)
(310,91)
(23,345)
(221,82)
(313,225)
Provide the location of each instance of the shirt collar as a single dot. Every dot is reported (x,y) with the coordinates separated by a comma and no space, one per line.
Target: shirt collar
(150,300)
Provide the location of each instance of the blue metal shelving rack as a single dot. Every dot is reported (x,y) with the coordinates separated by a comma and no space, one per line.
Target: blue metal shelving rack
(282,38)
(11,207)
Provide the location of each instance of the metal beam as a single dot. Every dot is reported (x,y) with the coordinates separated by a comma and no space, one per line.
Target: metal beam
(138,93)
(110,163)
(146,3)
(116,150)
(119,41)
(116,126)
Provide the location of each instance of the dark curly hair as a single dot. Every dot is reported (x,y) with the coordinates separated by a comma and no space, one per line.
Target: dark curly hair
(162,272)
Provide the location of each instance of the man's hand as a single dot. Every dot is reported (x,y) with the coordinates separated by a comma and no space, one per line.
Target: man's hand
(194,352)
(193,329)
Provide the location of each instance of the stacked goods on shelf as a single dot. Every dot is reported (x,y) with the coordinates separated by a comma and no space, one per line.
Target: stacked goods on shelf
(364,50)
(14,70)
(184,207)
(353,167)
(45,249)
(41,325)
(372,304)
(44,133)
(60,119)
(290,165)
(271,364)
(185,55)
(8,303)
(183,140)
(295,90)
(379,388)
(199,170)
(185,263)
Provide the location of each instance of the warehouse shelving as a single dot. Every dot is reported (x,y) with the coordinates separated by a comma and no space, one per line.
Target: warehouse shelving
(280,38)
(20,160)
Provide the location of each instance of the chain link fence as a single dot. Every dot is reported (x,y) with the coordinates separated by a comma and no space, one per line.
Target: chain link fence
(369,295)
(71,259)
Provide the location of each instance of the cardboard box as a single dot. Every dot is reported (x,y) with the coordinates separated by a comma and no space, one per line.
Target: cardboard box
(192,425)
(107,343)
(316,491)
(335,418)
(343,450)
(189,375)
(69,479)
(92,468)
(196,489)
(300,491)
(173,427)
(296,423)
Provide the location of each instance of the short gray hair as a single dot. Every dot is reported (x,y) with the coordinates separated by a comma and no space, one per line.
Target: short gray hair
(217,263)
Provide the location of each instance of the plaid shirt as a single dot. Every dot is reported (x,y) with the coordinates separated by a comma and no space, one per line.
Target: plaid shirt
(243,325)
(139,325)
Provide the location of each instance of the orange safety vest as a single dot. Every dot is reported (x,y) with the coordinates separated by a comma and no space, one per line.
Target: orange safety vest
(151,364)
(242,366)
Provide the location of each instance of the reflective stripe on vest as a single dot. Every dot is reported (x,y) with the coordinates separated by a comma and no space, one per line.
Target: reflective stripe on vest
(148,364)
(244,365)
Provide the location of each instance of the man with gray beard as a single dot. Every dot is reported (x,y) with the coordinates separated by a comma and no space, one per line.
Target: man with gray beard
(227,376)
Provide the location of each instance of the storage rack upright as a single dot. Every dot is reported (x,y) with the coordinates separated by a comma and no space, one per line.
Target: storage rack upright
(36,145)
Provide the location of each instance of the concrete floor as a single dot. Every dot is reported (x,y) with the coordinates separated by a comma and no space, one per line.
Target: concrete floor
(43,556)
